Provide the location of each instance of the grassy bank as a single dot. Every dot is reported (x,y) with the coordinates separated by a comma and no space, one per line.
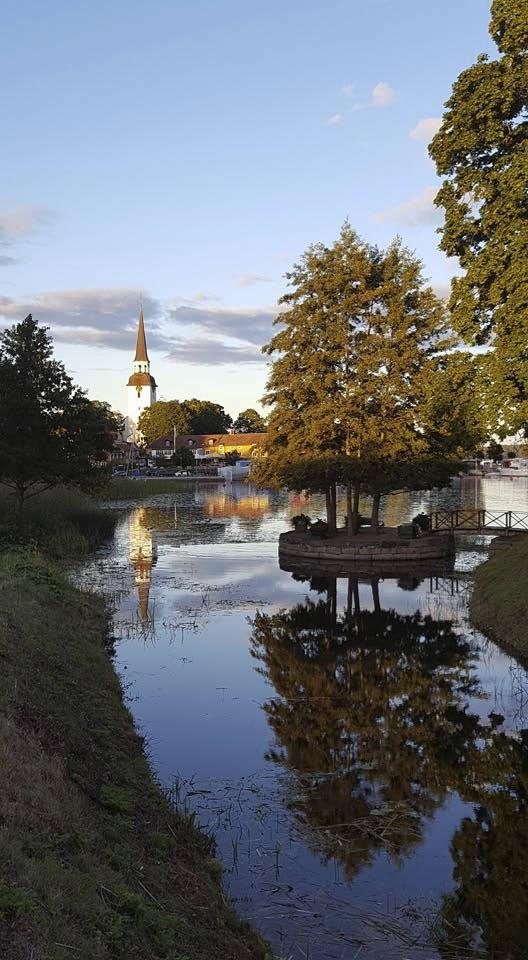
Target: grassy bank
(94,861)
(60,522)
(499,604)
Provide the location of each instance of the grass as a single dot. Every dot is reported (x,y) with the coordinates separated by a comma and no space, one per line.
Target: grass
(60,522)
(499,603)
(95,863)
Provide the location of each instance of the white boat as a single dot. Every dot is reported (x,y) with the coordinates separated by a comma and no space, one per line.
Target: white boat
(514,468)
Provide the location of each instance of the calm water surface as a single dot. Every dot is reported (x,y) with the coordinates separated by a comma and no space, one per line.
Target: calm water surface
(359,752)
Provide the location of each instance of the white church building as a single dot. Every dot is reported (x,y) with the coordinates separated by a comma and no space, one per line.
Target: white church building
(141,387)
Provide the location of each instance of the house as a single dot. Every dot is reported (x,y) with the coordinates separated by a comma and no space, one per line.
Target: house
(124,453)
(208,447)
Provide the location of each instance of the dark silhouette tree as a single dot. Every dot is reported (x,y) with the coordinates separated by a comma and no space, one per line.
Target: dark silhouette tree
(249,421)
(50,433)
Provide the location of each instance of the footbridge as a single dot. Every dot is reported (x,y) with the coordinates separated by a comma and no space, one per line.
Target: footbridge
(485,521)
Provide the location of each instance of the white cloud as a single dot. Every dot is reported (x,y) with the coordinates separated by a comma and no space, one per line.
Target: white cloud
(414,212)
(251,279)
(426,129)
(100,317)
(383,95)
(249,326)
(442,289)
(348,89)
(204,351)
(108,318)
(335,118)
(204,296)
(21,221)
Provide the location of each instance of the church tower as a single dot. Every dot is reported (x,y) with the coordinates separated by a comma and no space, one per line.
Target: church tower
(141,387)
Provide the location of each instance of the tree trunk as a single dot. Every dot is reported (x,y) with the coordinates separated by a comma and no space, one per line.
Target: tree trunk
(375,511)
(332,604)
(350,509)
(331,508)
(375,595)
(355,510)
(357,605)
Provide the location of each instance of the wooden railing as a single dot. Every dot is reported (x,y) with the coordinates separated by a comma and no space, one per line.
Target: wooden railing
(507,520)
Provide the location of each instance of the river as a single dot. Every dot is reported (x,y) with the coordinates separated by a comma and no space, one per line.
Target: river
(357,749)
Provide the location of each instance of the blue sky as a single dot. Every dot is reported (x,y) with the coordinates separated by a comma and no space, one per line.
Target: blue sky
(192,149)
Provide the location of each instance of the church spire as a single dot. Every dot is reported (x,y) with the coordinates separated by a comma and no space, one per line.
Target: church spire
(141,344)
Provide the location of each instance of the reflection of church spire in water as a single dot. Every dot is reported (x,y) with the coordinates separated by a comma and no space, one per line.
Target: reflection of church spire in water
(143,556)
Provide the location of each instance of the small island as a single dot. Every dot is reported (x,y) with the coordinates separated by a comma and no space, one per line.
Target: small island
(385,546)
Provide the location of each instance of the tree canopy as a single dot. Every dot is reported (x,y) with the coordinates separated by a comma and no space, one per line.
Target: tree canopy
(50,432)
(186,416)
(362,372)
(481,151)
(206,416)
(163,417)
(249,421)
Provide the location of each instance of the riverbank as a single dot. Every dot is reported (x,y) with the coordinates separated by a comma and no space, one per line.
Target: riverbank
(94,860)
(499,603)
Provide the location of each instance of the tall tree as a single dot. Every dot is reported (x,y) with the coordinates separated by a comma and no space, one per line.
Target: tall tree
(206,416)
(164,417)
(249,421)
(481,151)
(359,342)
(50,432)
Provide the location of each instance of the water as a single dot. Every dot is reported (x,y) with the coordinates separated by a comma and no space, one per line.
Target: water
(359,752)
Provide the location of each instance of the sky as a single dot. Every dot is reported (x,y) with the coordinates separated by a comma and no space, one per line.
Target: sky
(188,151)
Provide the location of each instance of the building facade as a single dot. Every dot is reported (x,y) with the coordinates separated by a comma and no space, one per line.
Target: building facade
(209,446)
(141,387)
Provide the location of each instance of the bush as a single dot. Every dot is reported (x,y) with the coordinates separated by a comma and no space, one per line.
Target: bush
(61,522)
(301,521)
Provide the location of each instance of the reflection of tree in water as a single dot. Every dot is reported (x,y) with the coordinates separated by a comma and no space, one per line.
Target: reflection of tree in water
(487,914)
(372,716)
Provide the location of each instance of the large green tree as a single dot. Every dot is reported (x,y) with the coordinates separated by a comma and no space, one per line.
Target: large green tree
(206,416)
(164,417)
(50,432)
(481,151)
(249,421)
(359,346)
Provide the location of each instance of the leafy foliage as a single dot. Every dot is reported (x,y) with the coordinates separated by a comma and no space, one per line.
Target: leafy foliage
(182,457)
(50,433)
(481,150)
(187,416)
(362,388)
(163,417)
(207,417)
(249,421)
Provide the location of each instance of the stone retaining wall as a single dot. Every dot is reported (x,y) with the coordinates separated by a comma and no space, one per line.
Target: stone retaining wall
(380,549)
